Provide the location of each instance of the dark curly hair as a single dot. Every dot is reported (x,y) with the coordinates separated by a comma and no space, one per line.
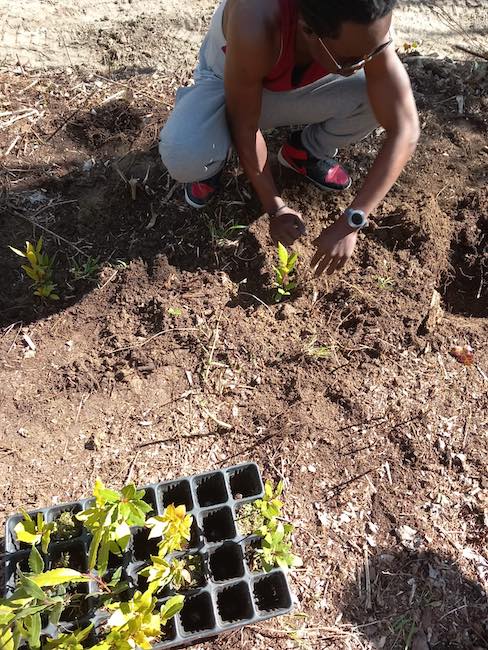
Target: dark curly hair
(325,17)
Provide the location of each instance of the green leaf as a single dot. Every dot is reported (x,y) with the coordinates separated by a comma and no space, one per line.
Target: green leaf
(95,543)
(39,245)
(102,563)
(33,624)
(171,607)
(32,589)
(58,577)
(36,563)
(292,260)
(282,255)
(55,615)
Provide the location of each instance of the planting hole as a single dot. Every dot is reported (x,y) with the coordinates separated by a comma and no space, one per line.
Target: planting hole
(272,593)
(197,614)
(69,556)
(234,603)
(219,525)
(226,562)
(77,603)
(150,498)
(211,490)
(245,482)
(178,493)
(195,535)
(143,547)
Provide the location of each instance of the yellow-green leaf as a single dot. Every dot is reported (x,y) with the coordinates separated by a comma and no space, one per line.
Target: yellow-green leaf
(58,577)
(17,252)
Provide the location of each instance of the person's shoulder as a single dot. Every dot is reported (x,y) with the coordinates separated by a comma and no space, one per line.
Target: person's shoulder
(255,15)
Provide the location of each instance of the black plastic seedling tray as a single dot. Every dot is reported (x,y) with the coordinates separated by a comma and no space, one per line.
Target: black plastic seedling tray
(229,594)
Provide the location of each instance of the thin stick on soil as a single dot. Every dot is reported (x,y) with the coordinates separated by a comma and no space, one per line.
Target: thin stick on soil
(212,349)
(367,579)
(51,232)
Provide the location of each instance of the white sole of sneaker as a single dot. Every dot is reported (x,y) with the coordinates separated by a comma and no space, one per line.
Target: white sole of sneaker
(285,163)
(191,203)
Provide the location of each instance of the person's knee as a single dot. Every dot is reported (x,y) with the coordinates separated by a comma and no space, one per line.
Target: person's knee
(182,163)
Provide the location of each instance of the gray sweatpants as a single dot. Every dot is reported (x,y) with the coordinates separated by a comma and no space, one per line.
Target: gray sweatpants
(195,141)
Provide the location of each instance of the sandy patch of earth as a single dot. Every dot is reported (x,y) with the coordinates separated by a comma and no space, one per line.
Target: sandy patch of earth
(164,34)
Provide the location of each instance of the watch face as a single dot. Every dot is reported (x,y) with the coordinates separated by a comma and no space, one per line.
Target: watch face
(357,219)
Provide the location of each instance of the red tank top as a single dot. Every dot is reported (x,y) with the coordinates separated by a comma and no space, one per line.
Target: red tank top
(281,76)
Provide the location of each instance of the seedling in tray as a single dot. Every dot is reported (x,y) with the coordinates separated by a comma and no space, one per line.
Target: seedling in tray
(160,567)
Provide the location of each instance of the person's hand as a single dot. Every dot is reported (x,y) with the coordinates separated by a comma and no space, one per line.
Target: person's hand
(286,226)
(335,246)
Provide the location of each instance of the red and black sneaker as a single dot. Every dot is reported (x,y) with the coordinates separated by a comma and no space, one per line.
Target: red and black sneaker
(199,194)
(325,173)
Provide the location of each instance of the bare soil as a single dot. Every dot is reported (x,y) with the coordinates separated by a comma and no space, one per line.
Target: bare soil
(173,358)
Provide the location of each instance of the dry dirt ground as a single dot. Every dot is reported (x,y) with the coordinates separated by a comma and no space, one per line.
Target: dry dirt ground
(168,356)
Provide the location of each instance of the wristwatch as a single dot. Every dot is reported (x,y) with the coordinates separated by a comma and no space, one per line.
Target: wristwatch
(356,218)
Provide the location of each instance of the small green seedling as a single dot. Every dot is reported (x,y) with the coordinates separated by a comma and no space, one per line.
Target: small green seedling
(311,349)
(385,282)
(86,270)
(174,312)
(39,269)
(225,234)
(66,526)
(286,268)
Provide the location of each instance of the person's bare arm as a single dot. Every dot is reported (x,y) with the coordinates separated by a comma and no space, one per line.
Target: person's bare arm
(392,101)
(250,55)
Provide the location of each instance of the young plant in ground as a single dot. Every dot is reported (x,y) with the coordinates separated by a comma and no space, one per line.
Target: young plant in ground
(225,235)
(110,520)
(385,282)
(86,270)
(39,269)
(285,271)
(314,351)
(174,312)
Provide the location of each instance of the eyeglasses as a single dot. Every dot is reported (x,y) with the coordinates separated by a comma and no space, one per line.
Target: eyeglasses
(356,65)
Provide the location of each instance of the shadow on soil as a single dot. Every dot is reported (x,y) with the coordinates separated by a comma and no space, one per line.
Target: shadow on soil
(420,600)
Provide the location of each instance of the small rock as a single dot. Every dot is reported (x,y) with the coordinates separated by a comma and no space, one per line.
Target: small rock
(312,469)
(285,311)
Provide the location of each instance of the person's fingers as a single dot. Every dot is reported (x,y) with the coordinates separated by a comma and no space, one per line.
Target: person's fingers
(334,263)
(300,225)
(342,263)
(323,264)
(317,255)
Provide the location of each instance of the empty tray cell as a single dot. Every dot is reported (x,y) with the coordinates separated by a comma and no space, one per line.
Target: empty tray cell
(67,525)
(271,592)
(68,555)
(195,535)
(234,603)
(245,482)
(219,525)
(226,562)
(211,489)
(197,613)
(168,632)
(142,546)
(177,493)
(13,565)
(150,498)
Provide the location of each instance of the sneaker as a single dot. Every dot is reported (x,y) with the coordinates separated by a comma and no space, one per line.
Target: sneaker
(199,194)
(325,173)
